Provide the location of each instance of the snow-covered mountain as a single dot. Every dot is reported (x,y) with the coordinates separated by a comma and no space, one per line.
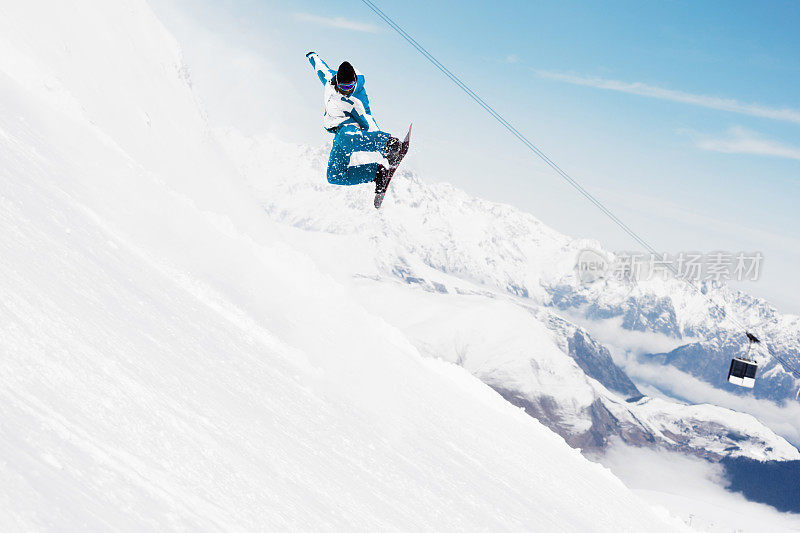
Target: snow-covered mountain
(172,361)
(709,339)
(472,282)
(494,247)
(199,333)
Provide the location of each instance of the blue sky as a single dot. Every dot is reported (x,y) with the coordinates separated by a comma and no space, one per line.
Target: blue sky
(683,117)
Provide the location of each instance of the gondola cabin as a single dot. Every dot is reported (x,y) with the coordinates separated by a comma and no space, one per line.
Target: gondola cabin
(742,372)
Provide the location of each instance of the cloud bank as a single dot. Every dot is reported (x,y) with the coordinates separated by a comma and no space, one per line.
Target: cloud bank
(741,141)
(666,381)
(783,419)
(692,490)
(652,91)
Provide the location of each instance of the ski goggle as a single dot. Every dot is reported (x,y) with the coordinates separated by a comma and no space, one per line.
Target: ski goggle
(346,87)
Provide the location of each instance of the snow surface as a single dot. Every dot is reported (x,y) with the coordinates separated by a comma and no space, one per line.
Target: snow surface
(171,362)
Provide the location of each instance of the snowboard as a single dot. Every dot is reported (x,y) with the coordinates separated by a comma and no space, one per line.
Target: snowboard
(403,151)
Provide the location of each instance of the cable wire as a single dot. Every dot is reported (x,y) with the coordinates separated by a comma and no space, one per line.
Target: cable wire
(563,174)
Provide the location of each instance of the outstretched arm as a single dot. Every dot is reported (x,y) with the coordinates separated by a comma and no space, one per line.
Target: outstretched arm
(324,72)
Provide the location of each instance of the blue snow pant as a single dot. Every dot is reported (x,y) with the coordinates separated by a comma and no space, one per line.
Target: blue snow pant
(351,139)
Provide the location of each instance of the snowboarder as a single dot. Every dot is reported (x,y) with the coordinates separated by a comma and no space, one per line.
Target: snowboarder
(348,116)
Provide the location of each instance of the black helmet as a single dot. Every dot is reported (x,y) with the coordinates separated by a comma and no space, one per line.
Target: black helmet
(345,79)
(346,73)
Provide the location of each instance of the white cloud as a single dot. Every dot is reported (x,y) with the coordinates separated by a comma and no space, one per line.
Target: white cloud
(610,332)
(783,419)
(741,141)
(693,490)
(667,381)
(337,22)
(652,91)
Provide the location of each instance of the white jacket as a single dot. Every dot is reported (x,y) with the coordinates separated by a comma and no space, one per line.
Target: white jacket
(341,109)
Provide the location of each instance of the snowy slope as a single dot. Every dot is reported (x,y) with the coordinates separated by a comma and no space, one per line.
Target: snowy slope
(440,265)
(168,362)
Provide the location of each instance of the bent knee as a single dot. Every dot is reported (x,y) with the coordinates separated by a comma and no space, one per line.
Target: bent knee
(337,177)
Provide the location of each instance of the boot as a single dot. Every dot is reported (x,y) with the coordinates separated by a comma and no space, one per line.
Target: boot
(381,179)
(393,151)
